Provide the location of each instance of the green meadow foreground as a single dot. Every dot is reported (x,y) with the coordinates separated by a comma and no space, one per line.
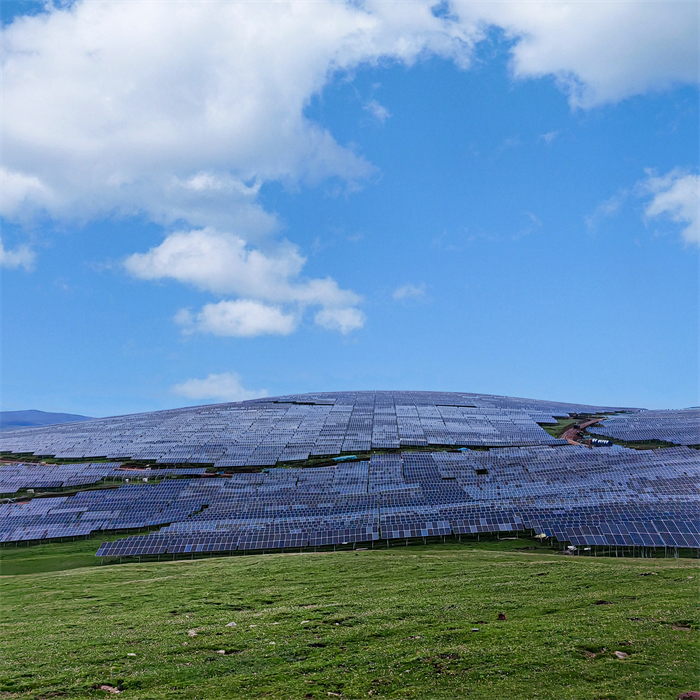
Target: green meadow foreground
(395,623)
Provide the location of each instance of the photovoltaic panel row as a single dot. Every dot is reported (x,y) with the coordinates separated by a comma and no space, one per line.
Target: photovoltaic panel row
(679,427)
(500,490)
(293,428)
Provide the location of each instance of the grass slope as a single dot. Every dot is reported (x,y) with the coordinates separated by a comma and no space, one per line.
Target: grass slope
(383,624)
(55,556)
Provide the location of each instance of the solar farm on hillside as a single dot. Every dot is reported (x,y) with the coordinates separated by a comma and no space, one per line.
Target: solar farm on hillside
(358,468)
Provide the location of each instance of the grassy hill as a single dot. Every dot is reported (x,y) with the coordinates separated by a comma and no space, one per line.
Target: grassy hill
(396,623)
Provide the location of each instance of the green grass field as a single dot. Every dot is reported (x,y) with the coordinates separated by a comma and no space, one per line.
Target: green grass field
(56,556)
(391,623)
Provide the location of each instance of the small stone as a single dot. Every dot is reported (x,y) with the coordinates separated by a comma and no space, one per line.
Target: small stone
(621,655)
(232,624)
(130,654)
(110,689)
(221,651)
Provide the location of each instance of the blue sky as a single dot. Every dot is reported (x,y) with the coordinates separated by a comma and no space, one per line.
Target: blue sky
(321,196)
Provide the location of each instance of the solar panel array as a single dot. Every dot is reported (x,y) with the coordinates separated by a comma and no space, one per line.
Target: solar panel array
(18,477)
(125,508)
(23,476)
(604,496)
(679,427)
(613,496)
(519,477)
(265,432)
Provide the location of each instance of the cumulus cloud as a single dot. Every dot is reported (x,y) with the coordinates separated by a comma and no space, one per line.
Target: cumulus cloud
(181,110)
(20,193)
(409,291)
(343,320)
(223,387)
(21,256)
(242,318)
(598,52)
(220,263)
(675,196)
(223,263)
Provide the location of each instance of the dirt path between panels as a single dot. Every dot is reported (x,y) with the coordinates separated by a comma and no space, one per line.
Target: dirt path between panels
(573,434)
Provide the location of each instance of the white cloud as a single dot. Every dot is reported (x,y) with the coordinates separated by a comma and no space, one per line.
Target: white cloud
(598,51)
(223,387)
(343,320)
(409,291)
(21,256)
(242,318)
(378,111)
(20,193)
(676,196)
(174,109)
(183,111)
(224,264)
(221,263)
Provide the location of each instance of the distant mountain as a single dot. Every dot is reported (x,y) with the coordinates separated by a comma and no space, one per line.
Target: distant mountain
(13,420)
